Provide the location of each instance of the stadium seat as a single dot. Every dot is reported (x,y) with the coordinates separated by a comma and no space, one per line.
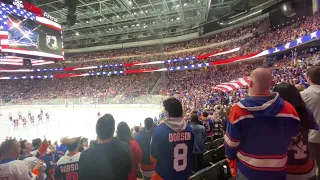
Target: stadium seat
(216,143)
(208,158)
(208,145)
(199,175)
(213,172)
(219,154)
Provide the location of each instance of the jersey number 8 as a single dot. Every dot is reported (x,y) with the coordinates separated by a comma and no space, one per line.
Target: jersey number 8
(183,157)
(72,176)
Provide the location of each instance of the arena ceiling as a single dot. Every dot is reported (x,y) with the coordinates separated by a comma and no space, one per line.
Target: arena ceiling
(102,22)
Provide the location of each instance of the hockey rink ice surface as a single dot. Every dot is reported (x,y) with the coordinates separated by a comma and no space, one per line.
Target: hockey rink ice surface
(71,122)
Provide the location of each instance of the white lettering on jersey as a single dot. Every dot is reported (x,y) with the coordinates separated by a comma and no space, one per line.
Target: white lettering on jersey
(69,168)
(182,136)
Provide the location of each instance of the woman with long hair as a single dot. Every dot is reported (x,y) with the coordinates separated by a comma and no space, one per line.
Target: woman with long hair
(124,134)
(300,166)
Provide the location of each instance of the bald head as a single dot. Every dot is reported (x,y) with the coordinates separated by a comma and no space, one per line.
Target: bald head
(261,80)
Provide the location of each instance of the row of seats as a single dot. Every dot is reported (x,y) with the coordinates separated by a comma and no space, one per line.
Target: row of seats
(217,171)
(213,143)
(214,162)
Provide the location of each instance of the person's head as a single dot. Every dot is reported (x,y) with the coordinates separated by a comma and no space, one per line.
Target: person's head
(291,94)
(84,142)
(26,147)
(260,82)
(73,144)
(205,114)
(148,123)
(105,127)
(136,129)
(92,142)
(53,148)
(195,119)
(123,132)
(194,112)
(10,149)
(36,143)
(173,107)
(313,75)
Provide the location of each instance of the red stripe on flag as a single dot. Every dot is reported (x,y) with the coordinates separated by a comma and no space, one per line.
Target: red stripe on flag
(132,71)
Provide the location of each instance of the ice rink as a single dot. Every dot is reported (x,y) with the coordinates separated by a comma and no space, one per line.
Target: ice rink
(72,122)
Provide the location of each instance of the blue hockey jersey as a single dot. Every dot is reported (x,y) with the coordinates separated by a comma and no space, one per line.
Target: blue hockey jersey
(171,149)
(259,132)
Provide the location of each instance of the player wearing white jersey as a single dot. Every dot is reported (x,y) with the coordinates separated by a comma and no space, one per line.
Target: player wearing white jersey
(67,166)
(13,169)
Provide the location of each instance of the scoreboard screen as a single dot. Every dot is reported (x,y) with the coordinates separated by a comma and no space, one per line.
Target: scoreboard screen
(25,34)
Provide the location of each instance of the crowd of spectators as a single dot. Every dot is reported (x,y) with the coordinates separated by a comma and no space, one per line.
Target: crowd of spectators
(167,48)
(248,45)
(128,148)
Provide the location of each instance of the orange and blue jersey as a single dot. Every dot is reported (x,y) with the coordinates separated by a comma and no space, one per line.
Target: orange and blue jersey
(48,160)
(144,139)
(258,135)
(171,150)
(299,160)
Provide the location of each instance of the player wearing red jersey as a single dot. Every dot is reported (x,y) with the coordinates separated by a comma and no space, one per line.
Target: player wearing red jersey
(24,121)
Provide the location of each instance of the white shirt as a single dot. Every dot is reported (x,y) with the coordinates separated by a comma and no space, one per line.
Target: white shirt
(16,170)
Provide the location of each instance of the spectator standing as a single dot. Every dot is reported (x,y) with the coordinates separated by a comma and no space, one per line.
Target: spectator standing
(62,149)
(259,131)
(14,169)
(172,144)
(67,166)
(109,158)
(217,122)
(311,97)
(136,131)
(144,138)
(124,134)
(299,164)
(199,142)
(83,144)
(208,124)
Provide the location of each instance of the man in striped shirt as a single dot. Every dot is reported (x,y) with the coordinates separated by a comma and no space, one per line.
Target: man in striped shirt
(259,131)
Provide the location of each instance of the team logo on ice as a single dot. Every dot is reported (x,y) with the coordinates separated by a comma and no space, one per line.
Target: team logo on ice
(51,42)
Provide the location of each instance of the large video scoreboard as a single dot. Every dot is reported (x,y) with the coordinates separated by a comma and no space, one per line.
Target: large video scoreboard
(27,34)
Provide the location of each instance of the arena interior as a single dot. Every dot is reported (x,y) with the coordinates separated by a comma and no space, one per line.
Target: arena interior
(64,67)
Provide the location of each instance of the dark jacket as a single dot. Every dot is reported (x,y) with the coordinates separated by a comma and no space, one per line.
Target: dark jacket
(199,138)
(109,161)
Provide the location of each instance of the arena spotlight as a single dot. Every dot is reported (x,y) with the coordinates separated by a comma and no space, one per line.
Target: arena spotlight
(288,9)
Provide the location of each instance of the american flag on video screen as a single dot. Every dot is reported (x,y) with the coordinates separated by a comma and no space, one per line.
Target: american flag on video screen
(5,10)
